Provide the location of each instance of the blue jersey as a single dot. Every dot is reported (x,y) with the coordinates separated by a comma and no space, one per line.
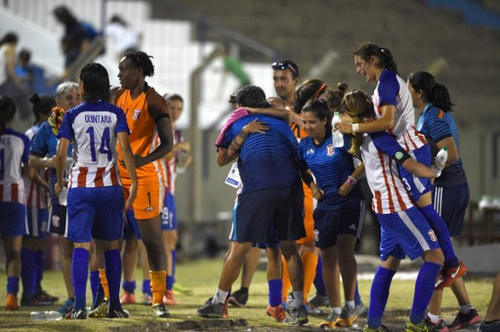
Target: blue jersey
(92,127)
(265,160)
(437,125)
(44,143)
(331,168)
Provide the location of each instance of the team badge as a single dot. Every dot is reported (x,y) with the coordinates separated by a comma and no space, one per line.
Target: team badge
(432,235)
(149,209)
(136,114)
(399,155)
(330,150)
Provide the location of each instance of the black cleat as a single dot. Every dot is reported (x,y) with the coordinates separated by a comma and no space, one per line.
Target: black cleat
(160,310)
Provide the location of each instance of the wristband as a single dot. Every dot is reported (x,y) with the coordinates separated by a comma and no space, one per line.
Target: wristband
(352,180)
(355,128)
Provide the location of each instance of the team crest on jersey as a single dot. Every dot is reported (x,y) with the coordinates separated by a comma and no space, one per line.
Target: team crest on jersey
(432,235)
(55,221)
(310,151)
(136,114)
(330,150)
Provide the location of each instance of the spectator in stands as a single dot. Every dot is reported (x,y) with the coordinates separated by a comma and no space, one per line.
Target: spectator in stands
(32,76)
(124,38)
(10,84)
(75,40)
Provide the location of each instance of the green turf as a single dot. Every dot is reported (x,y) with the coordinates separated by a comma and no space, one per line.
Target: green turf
(201,276)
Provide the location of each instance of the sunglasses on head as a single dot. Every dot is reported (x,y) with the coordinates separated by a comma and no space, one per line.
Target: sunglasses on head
(284,65)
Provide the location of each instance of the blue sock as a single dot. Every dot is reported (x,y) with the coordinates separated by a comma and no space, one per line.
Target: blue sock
(357,297)
(378,296)
(318,279)
(170,282)
(129,286)
(173,264)
(94,283)
(28,272)
(113,274)
(80,272)
(442,233)
(424,287)
(12,285)
(146,286)
(94,287)
(40,263)
(275,289)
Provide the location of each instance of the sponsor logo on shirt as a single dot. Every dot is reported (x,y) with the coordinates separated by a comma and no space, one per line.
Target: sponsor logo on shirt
(432,235)
(330,150)
(310,151)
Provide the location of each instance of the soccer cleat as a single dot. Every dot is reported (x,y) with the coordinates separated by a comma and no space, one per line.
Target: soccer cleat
(381,328)
(362,310)
(78,314)
(43,296)
(66,307)
(296,315)
(100,311)
(168,298)
(319,301)
(212,310)
(347,317)
(463,320)
(493,326)
(314,311)
(277,312)
(32,301)
(147,298)
(238,298)
(127,298)
(118,313)
(160,311)
(11,302)
(450,274)
(439,327)
(420,327)
(331,320)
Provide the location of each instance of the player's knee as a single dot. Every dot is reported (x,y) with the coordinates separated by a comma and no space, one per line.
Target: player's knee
(289,249)
(434,256)
(12,255)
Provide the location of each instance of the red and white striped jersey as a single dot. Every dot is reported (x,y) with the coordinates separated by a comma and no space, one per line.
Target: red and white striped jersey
(36,195)
(171,165)
(92,127)
(389,192)
(14,151)
(392,90)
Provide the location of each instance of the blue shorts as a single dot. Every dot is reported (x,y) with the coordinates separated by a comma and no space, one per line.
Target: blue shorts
(268,216)
(95,213)
(417,186)
(405,233)
(13,219)
(130,227)
(450,203)
(37,222)
(169,213)
(346,218)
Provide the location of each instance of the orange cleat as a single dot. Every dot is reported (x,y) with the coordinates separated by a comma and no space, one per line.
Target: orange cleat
(11,302)
(450,274)
(168,298)
(127,298)
(277,312)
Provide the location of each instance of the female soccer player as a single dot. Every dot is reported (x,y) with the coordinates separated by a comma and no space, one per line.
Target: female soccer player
(451,191)
(14,149)
(37,189)
(95,197)
(340,212)
(395,115)
(404,230)
(42,152)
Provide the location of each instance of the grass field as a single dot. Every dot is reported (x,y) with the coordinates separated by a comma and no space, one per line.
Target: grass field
(201,276)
